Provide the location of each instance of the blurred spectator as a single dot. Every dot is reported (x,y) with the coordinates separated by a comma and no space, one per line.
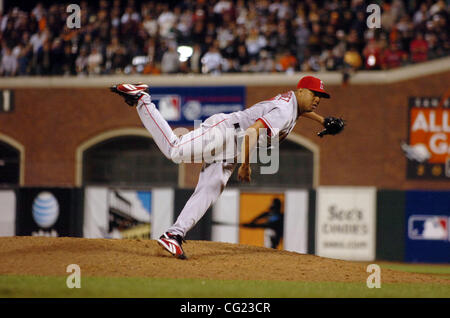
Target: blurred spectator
(243,58)
(437,7)
(321,34)
(352,58)
(94,61)
(23,52)
(166,21)
(340,48)
(129,21)
(212,60)
(419,49)
(284,36)
(352,62)
(221,8)
(329,38)
(170,62)
(388,17)
(194,61)
(69,61)
(255,42)
(38,39)
(38,11)
(57,57)
(359,25)
(254,67)
(433,44)
(405,29)
(81,62)
(286,62)
(393,56)
(302,37)
(314,40)
(311,64)
(43,60)
(372,55)
(328,61)
(229,65)
(184,24)
(130,16)
(266,62)
(150,25)
(151,69)
(9,64)
(354,40)
(115,56)
(226,37)
(421,15)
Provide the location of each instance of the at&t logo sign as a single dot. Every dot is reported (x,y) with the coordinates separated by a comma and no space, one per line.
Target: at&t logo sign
(45,211)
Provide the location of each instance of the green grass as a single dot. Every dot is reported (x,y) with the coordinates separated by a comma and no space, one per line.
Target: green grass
(441,271)
(99,287)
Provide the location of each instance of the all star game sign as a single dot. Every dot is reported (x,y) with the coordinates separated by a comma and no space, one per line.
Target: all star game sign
(428,151)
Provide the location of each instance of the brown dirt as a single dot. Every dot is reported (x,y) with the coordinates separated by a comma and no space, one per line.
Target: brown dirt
(207,260)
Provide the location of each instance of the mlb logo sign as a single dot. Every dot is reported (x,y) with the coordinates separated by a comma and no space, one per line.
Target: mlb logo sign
(169,106)
(428,227)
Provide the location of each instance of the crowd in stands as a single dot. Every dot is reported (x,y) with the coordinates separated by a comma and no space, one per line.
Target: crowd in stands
(221,36)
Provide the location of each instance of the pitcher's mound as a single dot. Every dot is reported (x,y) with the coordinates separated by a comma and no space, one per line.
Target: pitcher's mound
(207,260)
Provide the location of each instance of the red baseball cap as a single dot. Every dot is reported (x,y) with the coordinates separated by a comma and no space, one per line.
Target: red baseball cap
(314,84)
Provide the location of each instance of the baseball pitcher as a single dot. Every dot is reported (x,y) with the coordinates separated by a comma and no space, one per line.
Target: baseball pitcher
(216,144)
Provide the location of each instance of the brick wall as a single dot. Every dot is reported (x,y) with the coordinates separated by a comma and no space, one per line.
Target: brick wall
(52,123)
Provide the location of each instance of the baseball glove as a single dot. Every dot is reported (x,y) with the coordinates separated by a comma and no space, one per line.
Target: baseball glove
(333,126)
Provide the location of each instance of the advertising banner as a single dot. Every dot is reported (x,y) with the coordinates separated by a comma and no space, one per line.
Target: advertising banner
(261,219)
(428,151)
(49,212)
(202,229)
(296,221)
(225,217)
(7,213)
(184,105)
(390,243)
(312,212)
(161,211)
(345,223)
(427,226)
(9,164)
(117,213)
(274,220)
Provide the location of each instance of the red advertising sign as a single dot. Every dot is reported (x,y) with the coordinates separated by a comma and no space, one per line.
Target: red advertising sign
(428,151)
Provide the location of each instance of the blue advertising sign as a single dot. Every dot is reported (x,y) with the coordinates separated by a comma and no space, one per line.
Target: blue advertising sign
(49,212)
(183,105)
(427,226)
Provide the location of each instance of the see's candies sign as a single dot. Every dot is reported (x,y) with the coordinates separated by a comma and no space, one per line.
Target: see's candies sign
(429,137)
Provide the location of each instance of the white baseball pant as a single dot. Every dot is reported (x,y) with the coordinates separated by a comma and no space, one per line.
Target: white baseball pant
(200,142)
(214,140)
(212,180)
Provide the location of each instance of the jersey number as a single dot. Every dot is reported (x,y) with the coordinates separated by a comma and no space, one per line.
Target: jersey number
(285,96)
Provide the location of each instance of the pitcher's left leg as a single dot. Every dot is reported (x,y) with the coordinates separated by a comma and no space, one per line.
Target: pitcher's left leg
(212,180)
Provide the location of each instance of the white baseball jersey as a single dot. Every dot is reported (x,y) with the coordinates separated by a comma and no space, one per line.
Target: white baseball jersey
(278,114)
(215,139)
